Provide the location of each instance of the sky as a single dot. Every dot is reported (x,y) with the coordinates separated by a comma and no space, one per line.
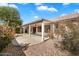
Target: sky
(33,11)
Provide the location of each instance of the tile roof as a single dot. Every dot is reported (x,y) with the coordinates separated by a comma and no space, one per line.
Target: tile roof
(69,16)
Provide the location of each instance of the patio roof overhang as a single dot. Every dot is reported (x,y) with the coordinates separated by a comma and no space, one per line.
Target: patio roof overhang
(38,23)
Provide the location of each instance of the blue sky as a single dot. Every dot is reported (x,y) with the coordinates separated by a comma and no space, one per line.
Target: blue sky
(34,11)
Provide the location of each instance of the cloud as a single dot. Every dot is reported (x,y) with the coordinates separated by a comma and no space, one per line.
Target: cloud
(46,8)
(76,10)
(42,7)
(13,5)
(65,4)
(36,17)
(52,10)
(38,4)
(3,4)
(9,5)
(63,14)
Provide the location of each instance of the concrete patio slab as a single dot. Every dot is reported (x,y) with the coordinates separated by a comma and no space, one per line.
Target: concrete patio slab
(26,39)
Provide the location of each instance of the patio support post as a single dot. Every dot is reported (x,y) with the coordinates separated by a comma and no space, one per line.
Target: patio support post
(42,31)
(36,29)
(53,28)
(23,29)
(29,30)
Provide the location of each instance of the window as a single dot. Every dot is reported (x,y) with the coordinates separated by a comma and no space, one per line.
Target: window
(39,29)
(47,27)
(56,26)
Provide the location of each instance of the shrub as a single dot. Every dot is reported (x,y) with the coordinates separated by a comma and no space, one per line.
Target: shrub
(6,35)
(67,35)
(17,30)
(71,38)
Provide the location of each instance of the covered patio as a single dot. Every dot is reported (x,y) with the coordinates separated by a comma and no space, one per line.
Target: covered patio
(35,32)
(39,28)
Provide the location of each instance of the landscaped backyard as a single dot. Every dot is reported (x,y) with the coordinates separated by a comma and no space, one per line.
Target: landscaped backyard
(39,38)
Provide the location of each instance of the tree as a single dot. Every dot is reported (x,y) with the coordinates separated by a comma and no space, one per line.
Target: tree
(10,16)
(9,20)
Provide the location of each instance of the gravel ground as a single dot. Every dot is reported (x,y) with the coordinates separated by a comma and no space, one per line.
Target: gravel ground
(46,48)
(11,50)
